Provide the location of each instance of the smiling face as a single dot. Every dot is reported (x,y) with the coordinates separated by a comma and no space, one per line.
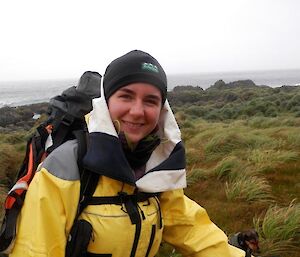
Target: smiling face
(136,108)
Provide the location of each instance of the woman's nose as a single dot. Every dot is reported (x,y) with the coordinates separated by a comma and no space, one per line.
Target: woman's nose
(137,108)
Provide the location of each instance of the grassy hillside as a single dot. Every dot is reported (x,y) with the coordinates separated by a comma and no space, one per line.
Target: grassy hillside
(243,159)
(243,156)
(240,170)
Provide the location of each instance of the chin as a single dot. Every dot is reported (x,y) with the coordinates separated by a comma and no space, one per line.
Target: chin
(135,138)
(134,141)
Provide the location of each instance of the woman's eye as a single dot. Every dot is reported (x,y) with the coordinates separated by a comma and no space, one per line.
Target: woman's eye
(125,96)
(152,102)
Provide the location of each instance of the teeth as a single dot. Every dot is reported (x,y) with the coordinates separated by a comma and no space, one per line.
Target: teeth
(134,125)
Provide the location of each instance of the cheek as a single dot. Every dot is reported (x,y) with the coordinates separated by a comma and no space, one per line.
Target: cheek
(155,114)
(115,110)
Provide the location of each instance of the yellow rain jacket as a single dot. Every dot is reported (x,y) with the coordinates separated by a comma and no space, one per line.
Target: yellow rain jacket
(52,198)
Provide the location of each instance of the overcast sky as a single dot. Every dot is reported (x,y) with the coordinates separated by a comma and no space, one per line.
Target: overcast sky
(61,39)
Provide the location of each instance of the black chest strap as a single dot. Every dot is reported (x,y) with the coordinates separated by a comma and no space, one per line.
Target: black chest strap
(129,201)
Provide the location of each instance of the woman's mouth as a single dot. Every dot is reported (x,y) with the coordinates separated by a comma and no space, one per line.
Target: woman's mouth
(132,125)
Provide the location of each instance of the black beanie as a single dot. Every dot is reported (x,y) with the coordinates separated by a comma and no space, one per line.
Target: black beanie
(135,66)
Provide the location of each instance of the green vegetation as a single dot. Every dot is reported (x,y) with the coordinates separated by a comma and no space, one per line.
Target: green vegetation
(236,100)
(243,159)
(243,156)
(12,147)
(279,229)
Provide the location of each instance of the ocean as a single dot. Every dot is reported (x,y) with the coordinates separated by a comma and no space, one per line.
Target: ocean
(17,93)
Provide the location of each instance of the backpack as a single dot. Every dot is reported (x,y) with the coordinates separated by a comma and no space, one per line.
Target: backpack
(66,120)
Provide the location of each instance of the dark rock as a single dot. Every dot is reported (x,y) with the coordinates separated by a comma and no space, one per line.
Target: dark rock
(21,117)
(287,88)
(242,83)
(187,88)
(220,84)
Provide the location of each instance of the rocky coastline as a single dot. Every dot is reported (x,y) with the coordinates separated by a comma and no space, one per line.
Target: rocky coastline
(21,117)
(219,96)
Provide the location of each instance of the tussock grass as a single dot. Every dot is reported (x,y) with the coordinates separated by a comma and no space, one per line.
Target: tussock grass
(17,137)
(279,230)
(10,160)
(12,146)
(265,159)
(195,175)
(287,156)
(223,144)
(240,138)
(248,188)
(226,167)
(265,122)
(194,155)
(293,139)
(3,193)
(202,131)
(262,140)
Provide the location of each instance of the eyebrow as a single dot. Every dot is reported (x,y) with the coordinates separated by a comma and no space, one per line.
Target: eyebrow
(150,96)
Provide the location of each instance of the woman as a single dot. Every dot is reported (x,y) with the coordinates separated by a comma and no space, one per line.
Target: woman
(135,147)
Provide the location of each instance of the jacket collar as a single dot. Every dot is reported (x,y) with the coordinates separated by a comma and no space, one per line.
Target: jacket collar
(165,170)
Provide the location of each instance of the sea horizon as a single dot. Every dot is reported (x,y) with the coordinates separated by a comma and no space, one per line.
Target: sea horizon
(18,92)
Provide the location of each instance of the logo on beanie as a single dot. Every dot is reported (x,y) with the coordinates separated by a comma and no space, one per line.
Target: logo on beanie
(149,67)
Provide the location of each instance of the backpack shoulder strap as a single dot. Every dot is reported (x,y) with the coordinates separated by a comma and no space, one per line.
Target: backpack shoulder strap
(82,140)
(88,184)
(88,179)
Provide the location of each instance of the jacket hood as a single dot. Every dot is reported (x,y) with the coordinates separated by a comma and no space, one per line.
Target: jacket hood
(165,170)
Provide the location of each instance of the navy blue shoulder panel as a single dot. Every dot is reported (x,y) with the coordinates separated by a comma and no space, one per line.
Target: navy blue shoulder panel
(176,160)
(105,156)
